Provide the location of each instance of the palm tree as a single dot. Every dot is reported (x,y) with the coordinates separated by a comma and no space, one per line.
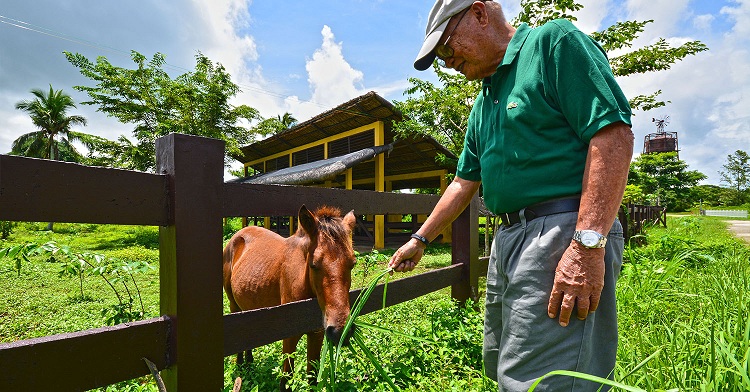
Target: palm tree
(53,139)
(48,112)
(287,120)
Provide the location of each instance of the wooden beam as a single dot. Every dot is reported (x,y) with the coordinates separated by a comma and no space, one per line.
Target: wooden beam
(85,360)
(190,260)
(40,190)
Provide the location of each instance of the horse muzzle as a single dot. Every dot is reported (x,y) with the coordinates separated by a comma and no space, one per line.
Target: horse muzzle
(335,334)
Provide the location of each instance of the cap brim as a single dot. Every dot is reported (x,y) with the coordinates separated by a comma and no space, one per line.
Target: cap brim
(427,54)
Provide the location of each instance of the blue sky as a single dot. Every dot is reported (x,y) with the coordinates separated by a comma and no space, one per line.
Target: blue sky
(305,57)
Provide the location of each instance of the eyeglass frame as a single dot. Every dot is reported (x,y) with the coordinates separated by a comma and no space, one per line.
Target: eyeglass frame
(444,46)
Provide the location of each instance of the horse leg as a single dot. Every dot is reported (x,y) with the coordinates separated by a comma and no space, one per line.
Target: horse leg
(233,307)
(290,346)
(314,344)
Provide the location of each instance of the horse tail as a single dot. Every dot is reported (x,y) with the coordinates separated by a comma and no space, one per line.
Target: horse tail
(234,247)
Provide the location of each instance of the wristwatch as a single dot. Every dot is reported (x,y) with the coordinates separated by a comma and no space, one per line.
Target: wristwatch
(590,238)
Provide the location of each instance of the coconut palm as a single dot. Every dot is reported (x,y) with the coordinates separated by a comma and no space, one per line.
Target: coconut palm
(287,120)
(54,138)
(48,112)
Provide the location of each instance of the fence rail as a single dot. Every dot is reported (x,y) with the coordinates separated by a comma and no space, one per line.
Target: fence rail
(635,217)
(188,200)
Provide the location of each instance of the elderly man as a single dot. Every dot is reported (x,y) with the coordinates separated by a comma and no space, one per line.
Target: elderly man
(549,139)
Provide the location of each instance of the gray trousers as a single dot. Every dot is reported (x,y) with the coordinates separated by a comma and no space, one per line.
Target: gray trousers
(521,343)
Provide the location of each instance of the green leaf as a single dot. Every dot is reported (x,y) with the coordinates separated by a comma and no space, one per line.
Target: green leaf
(393,332)
(357,337)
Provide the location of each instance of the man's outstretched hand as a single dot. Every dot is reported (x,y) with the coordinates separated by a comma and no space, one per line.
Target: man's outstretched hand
(407,256)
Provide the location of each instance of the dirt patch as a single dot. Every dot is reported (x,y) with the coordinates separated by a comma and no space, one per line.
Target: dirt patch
(740,228)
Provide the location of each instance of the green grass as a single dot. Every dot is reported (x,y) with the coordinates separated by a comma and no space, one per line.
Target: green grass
(683,302)
(685,295)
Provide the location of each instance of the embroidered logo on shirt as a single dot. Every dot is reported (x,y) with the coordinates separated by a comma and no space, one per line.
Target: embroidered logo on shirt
(512,105)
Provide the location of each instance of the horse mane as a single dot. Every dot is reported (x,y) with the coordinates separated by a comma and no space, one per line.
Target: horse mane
(330,224)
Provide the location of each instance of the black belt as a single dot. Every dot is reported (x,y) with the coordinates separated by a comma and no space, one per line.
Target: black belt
(549,207)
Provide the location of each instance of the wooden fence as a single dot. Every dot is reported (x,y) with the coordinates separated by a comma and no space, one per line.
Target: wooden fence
(187,199)
(634,217)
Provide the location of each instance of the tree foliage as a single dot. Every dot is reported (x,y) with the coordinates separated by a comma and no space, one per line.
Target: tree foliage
(194,103)
(53,140)
(440,111)
(275,125)
(736,173)
(716,196)
(537,13)
(665,179)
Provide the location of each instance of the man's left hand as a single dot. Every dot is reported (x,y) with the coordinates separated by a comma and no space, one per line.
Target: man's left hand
(579,280)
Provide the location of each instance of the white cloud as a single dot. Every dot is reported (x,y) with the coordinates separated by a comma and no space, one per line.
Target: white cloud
(741,15)
(703,22)
(667,15)
(591,16)
(331,78)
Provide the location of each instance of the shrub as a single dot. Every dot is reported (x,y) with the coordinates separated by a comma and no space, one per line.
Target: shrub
(6,227)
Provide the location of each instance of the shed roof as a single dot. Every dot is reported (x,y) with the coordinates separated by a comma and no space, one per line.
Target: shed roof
(414,154)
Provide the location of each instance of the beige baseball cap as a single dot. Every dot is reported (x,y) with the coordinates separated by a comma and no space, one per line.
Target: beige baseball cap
(440,15)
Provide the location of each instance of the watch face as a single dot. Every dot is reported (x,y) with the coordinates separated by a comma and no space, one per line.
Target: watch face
(589,238)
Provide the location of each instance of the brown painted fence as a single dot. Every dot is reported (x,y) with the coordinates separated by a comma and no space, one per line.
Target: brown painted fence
(635,217)
(188,199)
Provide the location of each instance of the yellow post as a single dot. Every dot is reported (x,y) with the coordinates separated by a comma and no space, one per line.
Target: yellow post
(379,184)
(349,179)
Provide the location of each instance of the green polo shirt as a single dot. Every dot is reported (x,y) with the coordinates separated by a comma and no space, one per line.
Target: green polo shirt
(529,129)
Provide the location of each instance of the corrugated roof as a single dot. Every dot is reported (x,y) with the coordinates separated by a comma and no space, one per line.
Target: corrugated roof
(410,155)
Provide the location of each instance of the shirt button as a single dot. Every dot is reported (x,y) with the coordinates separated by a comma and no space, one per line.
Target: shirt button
(497,101)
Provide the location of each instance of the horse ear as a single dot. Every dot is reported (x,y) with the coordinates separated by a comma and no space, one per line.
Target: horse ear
(350,220)
(307,221)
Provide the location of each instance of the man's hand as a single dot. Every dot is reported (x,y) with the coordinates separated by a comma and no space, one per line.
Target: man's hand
(579,280)
(407,256)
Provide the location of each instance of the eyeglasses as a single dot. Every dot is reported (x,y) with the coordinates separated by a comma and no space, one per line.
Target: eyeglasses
(443,51)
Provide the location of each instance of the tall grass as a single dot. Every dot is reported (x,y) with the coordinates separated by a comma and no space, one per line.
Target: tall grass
(685,296)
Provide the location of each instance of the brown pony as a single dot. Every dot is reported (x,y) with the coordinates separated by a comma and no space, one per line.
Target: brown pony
(263,269)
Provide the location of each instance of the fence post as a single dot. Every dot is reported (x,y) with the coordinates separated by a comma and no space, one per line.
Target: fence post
(465,249)
(622,215)
(191,261)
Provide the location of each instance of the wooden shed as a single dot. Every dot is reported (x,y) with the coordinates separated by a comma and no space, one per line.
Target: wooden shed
(364,124)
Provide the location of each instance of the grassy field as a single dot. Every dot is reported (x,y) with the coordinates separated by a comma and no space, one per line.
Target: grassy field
(684,312)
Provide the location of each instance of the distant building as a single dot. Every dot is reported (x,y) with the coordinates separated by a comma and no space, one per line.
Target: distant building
(352,146)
